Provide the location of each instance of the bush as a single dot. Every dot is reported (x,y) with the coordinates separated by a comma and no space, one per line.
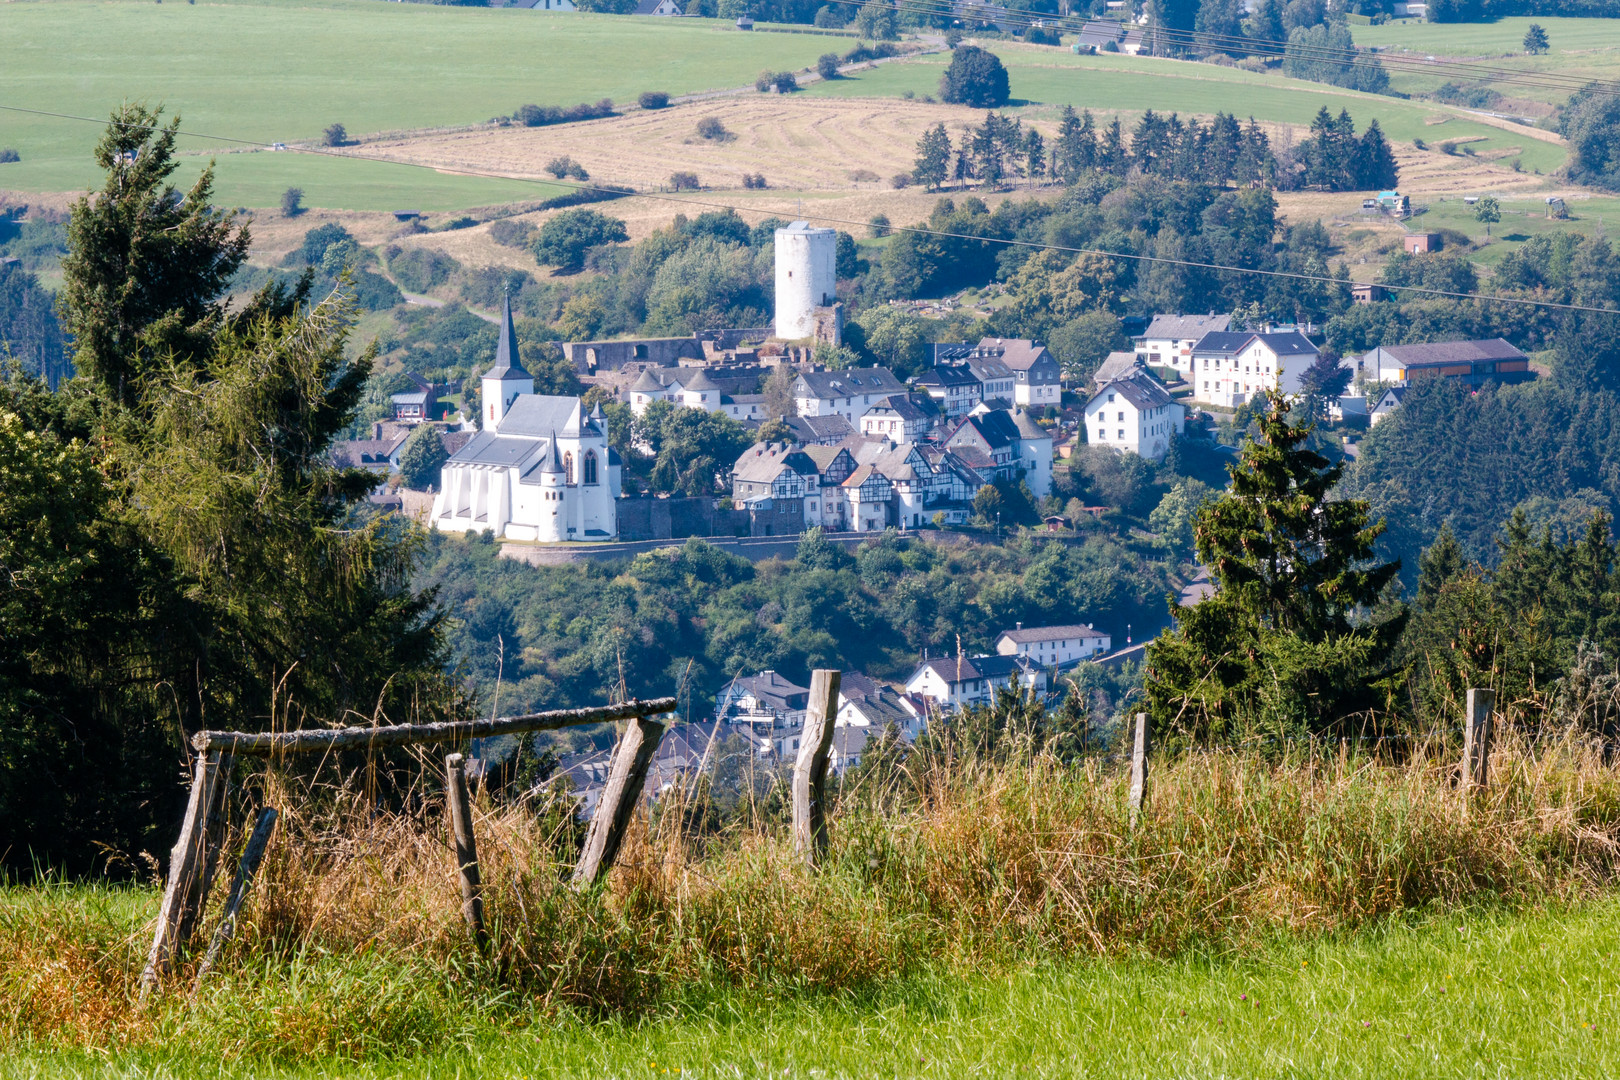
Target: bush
(543,115)
(953,38)
(684,181)
(1043,35)
(511,232)
(975,78)
(783,82)
(710,127)
(900,180)
(292,202)
(565,166)
(863,176)
(422,457)
(878,226)
(827,66)
(8,155)
(463,222)
(419,269)
(755,181)
(564,240)
(335,136)
(653,99)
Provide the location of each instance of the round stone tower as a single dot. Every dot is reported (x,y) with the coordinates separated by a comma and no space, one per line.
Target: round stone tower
(806,277)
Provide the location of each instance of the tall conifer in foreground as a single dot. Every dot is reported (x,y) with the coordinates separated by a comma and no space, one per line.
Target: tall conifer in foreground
(1284,646)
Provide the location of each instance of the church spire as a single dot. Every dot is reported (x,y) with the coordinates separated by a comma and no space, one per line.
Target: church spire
(553,462)
(508,364)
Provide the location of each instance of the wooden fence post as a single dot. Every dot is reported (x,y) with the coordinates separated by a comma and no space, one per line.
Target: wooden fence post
(626,778)
(810,769)
(252,855)
(1139,767)
(455,793)
(191,866)
(1477,738)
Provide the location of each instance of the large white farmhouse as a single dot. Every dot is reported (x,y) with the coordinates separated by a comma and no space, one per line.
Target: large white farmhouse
(1229,368)
(1050,645)
(1169,339)
(539,469)
(1135,414)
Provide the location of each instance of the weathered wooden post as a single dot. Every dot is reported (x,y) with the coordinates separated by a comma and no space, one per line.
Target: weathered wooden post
(810,769)
(252,855)
(455,793)
(1477,738)
(1139,767)
(191,866)
(626,777)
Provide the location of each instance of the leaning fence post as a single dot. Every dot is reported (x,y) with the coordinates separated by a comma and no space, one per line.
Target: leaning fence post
(1139,767)
(626,777)
(191,866)
(810,769)
(252,855)
(455,791)
(1477,738)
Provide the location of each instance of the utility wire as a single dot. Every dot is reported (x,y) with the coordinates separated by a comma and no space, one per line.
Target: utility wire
(915,230)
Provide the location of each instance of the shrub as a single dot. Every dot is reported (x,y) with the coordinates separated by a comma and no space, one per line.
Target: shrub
(292,201)
(565,166)
(900,180)
(653,99)
(1043,35)
(953,38)
(511,232)
(975,78)
(684,181)
(878,226)
(863,176)
(783,82)
(754,181)
(564,240)
(335,136)
(827,66)
(711,127)
(420,269)
(7,155)
(1420,144)
(543,115)
(463,222)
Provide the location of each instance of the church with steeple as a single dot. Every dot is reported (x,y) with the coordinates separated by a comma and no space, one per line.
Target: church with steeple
(539,468)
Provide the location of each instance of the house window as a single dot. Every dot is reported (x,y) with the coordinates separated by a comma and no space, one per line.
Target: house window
(590,467)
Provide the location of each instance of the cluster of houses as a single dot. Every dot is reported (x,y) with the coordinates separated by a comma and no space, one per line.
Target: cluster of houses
(768,709)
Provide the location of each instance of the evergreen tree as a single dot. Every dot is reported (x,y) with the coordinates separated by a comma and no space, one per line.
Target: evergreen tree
(1375,168)
(147,267)
(1150,143)
(1442,561)
(1034,154)
(1535,40)
(1219,22)
(1224,147)
(1265,25)
(1076,147)
(1255,164)
(1281,647)
(932,168)
(1112,155)
(422,457)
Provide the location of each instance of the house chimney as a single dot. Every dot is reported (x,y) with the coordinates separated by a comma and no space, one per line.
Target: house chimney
(1018,626)
(376,430)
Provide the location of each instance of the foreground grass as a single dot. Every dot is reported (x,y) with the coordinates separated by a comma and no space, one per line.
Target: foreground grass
(1489,993)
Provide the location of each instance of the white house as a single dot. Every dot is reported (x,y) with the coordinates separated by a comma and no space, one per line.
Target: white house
(1388,402)
(1229,368)
(954,682)
(1135,414)
(1037,377)
(849,393)
(902,418)
(1169,339)
(867,703)
(539,469)
(658,7)
(1051,645)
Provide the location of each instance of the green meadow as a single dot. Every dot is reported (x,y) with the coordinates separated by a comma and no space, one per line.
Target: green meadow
(1447,995)
(282,70)
(1107,84)
(1582,48)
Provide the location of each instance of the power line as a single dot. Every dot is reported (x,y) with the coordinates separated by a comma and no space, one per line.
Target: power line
(915,230)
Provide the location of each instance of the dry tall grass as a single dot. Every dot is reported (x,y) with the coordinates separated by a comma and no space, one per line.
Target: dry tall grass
(353,942)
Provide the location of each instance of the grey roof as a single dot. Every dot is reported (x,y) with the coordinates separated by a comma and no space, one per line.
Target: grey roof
(845,383)
(409,399)
(539,415)
(699,380)
(508,363)
(825,456)
(1143,393)
(1181,327)
(1294,343)
(489,448)
(850,740)
(986,368)
(820,429)
(1223,342)
(762,463)
(649,383)
(552,462)
(1390,398)
(1027,427)
(803,227)
(768,684)
(947,375)
(1049,633)
(1118,365)
(1452,352)
(976,667)
(1019,354)
(908,406)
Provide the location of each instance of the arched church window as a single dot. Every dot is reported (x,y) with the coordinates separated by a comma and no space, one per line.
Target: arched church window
(568,468)
(589,467)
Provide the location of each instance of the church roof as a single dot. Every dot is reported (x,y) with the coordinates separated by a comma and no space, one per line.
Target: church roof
(540,415)
(553,461)
(489,448)
(508,364)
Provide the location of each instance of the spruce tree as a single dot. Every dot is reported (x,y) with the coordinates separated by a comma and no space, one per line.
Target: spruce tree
(1075,148)
(1034,150)
(1112,154)
(1283,646)
(1441,561)
(933,158)
(1375,168)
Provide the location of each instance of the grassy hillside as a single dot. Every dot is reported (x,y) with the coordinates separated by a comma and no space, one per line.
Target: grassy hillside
(282,70)
(1583,48)
(1049,76)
